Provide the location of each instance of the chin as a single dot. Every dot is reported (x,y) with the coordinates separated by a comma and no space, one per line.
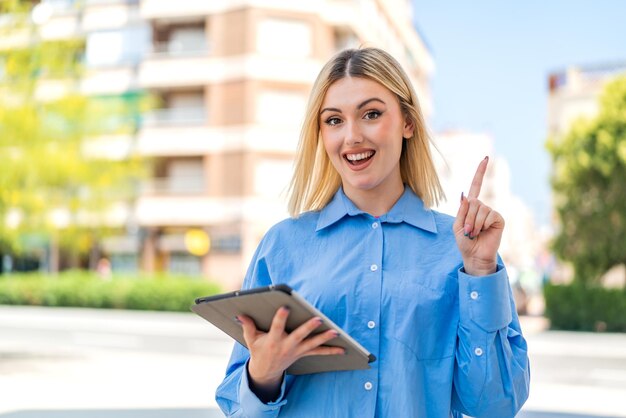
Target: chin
(363,185)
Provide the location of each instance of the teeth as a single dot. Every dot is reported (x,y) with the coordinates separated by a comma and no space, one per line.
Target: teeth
(360,156)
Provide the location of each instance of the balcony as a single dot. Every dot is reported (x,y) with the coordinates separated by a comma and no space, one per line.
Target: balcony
(176,140)
(179,116)
(113,147)
(158,9)
(103,15)
(112,80)
(174,186)
(185,41)
(187,210)
(166,9)
(205,211)
(182,140)
(180,199)
(175,131)
(199,69)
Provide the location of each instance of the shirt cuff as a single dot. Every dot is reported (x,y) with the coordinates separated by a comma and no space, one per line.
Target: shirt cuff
(250,402)
(485,300)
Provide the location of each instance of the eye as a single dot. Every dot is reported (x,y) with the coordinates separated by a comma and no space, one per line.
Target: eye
(333,121)
(372,114)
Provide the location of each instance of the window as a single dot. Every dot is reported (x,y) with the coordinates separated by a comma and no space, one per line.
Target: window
(124,263)
(345,38)
(226,243)
(180,38)
(179,108)
(179,176)
(183,263)
(187,40)
(186,176)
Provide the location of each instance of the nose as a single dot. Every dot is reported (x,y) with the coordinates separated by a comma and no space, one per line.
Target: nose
(353,134)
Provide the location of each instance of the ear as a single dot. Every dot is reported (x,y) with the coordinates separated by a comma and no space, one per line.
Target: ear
(409,127)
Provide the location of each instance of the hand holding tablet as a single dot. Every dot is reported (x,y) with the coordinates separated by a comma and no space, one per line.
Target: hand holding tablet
(261,305)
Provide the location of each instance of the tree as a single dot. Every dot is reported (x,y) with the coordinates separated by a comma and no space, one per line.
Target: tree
(54,188)
(589,181)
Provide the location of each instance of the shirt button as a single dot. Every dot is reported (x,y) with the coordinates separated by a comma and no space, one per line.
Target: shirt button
(373,267)
(474,295)
(371,324)
(368,385)
(478,351)
(375,225)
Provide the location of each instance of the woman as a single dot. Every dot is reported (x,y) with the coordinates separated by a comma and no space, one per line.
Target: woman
(422,291)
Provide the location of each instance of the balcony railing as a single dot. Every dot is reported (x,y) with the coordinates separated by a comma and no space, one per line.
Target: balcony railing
(174,186)
(155,9)
(175,116)
(178,49)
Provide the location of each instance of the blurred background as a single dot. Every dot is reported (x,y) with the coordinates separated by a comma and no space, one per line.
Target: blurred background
(147,145)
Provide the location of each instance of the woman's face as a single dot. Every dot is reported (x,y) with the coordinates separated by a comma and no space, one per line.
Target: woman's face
(362,127)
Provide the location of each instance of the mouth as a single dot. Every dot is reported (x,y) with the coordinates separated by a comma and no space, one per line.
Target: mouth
(359,158)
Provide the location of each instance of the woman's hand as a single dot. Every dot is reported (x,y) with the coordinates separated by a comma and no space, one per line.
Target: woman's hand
(478,229)
(271,353)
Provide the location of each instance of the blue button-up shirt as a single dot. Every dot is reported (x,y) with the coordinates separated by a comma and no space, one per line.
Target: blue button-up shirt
(446,343)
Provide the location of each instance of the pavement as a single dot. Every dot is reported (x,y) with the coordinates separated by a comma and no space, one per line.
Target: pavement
(86,363)
(575,374)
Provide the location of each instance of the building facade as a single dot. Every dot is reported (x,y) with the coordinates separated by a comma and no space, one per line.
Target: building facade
(229,80)
(574,93)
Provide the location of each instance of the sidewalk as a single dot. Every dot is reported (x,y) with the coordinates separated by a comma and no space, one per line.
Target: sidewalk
(86,363)
(574,374)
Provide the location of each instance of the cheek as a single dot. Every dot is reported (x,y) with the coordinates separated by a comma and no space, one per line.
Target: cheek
(332,143)
(383,130)
(392,134)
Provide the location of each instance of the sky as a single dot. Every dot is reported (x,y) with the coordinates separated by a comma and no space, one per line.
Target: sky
(492,61)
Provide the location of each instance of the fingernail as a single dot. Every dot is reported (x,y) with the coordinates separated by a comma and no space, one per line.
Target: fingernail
(237,320)
(462,197)
(471,237)
(487,157)
(467,229)
(285,307)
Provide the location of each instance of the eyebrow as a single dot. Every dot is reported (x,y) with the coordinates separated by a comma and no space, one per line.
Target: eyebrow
(360,106)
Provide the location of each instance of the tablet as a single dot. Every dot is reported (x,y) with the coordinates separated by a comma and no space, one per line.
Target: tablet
(261,304)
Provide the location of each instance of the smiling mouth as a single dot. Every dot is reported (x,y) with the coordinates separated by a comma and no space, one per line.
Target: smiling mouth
(360,158)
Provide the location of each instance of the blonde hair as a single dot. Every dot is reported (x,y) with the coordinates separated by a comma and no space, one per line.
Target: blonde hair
(315,180)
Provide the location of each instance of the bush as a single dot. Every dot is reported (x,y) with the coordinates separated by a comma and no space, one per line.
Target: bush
(581,307)
(85,289)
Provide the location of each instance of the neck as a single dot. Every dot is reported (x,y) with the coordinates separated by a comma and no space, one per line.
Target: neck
(373,201)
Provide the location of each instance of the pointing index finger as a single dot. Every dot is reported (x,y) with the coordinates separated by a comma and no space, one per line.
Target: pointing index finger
(477,182)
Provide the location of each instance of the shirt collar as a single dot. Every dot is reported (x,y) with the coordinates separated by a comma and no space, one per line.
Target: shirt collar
(409,208)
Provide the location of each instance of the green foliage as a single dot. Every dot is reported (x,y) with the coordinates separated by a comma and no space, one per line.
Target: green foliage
(83,289)
(588,181)
(55,181)
(578,307)
(14,6)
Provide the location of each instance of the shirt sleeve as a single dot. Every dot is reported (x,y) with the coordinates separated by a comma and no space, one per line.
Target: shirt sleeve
(491,373)
(233,395)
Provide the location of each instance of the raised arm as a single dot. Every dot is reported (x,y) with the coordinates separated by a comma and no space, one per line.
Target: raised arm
(491,374)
